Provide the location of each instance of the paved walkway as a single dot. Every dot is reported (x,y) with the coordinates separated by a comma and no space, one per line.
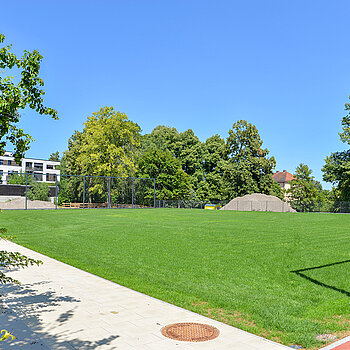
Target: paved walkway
(61,307)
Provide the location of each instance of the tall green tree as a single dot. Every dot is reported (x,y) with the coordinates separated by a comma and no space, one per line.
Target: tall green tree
(185,146)
(172,182)
(305,192)
(55,156)
(337,166)
(107,146)
(17,95)
(212,188)
(163,138)
(249,168)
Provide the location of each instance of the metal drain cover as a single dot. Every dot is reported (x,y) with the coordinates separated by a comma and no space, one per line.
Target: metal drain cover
(194,332)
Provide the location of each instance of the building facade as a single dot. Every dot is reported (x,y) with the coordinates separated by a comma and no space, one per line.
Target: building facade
(41,170)
(283,178)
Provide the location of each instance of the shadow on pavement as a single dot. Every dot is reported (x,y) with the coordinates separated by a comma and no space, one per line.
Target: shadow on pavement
(20,310)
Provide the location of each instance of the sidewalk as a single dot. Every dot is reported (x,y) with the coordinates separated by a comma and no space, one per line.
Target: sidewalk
(61,307)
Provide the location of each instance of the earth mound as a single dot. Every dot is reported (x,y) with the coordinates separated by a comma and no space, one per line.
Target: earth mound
(258,202)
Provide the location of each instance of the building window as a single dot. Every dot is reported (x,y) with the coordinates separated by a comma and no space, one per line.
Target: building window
(50,177)
(38,166)
(1,162)
(49,166)
(28,165)
(8,162)
(38,177)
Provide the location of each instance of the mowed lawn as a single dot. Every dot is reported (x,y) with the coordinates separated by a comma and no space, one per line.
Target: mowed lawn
(236,267)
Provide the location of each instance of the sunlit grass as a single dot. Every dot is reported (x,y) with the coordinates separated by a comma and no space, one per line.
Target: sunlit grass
(236,267)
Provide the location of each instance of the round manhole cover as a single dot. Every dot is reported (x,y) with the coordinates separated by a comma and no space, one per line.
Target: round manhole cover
(190,332)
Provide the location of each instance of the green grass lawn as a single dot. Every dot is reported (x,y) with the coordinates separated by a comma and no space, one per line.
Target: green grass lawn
(236,267)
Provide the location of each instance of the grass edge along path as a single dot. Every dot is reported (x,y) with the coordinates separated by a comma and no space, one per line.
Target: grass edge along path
(241,268)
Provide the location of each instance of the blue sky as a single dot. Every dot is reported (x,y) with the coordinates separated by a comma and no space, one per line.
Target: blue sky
(281,65)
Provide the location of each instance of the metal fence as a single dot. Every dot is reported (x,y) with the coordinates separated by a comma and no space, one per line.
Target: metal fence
(186,204)
(309,207)
(27,191)
(321,207)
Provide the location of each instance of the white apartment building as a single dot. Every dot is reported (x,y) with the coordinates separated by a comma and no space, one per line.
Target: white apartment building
(41,170)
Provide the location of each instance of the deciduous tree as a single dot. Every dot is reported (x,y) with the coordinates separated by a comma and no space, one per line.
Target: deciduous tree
(185,146)
(172,182)
(305,192)
(55,156)
(248,169)
(17,95)
(337,166)
(107,146)
(212,188)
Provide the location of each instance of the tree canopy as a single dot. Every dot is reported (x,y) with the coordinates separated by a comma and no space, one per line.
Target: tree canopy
(248,169)
(55,156)
(107,145)
(217,169)
(305,192)
(13,97)
(17,95)
(172,182)
(337,165)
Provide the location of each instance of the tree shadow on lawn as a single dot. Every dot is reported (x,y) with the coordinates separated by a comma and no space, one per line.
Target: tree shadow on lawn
(320,283)
(20,312)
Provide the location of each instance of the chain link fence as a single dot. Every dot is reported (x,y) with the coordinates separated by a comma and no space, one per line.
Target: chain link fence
(186,204)
(321,207)
(310,207)
(30,191)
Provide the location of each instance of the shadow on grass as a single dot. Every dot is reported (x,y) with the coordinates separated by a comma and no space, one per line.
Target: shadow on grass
(319,283)
(20,314)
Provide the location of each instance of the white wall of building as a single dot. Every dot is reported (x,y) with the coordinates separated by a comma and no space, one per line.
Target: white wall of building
(42,170)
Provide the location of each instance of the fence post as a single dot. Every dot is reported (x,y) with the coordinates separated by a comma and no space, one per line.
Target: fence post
(154,193)
(56,193)
(132,194)
(266,206)
(109,192)
(84,194)
(26,191)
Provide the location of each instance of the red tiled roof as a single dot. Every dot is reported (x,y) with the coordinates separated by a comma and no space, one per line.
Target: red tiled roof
(282,176)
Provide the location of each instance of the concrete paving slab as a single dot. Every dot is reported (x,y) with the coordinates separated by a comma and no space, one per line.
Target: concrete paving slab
(61,307)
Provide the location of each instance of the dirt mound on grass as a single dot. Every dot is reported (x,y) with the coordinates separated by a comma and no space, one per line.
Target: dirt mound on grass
(258,202)
(19,203)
